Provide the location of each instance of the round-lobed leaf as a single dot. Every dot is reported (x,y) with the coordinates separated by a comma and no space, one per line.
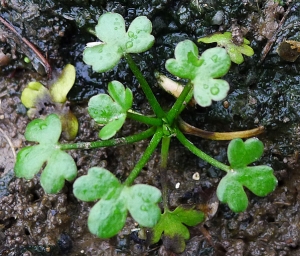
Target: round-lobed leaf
(30,160)
(45,131)
(231,191)
(170,225)
(104,55)
(202,72)
(225,40)
(189,217)
(98,183)
(103,109)
(142,203)
(60,167)
(260,179)
(139,38)
(107,217)
(111,28)
(120,95)
(241,153)
(186,60)
(110,130)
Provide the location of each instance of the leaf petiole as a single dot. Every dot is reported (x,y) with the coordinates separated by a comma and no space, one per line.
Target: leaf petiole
(145,86)
(144,159)
(109,143)
(144,119)
(180,103)
(190,146)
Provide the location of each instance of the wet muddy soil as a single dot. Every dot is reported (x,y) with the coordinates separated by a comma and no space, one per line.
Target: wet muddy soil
(265,90)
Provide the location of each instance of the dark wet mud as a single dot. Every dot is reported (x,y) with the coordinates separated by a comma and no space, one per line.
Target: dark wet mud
(265,90)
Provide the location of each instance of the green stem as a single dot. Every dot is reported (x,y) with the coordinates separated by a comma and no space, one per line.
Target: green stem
(190,146)
(165,151)
(145,86)
(144,159)
(109,143)
(163,171)
(180,103)
(144,119)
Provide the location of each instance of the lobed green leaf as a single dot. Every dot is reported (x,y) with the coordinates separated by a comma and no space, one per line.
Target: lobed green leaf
(225,40)
(59,165)
(241,153)
(111,111)
(115,42)
(142,204)
(260,180)
(98,183)
(108,215)
(170,225)
(202,71)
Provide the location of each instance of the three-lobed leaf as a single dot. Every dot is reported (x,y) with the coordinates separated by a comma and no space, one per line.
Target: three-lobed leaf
(59,165)
(115,41)
(140,200)
(107,217)
(260,179)
(203,72)
(225,40)
(171,226)
(111,111)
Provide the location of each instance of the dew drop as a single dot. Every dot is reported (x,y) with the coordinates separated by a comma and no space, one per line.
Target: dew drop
(42,126)
(115,28)
(144,208)
(214,58)
(214,90)
(205,86)
(146,200)
(129,44)
(130,34)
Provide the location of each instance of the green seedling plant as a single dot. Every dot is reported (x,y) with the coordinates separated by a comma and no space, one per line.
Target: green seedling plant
(116,199)
(225,40)
(36,97)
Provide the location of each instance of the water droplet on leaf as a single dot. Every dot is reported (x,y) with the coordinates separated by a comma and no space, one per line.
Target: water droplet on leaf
(205,86)
(130,34)
(144,208)
(214,90)
(146,200)
(129,44)
(214,58)
(42,126)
